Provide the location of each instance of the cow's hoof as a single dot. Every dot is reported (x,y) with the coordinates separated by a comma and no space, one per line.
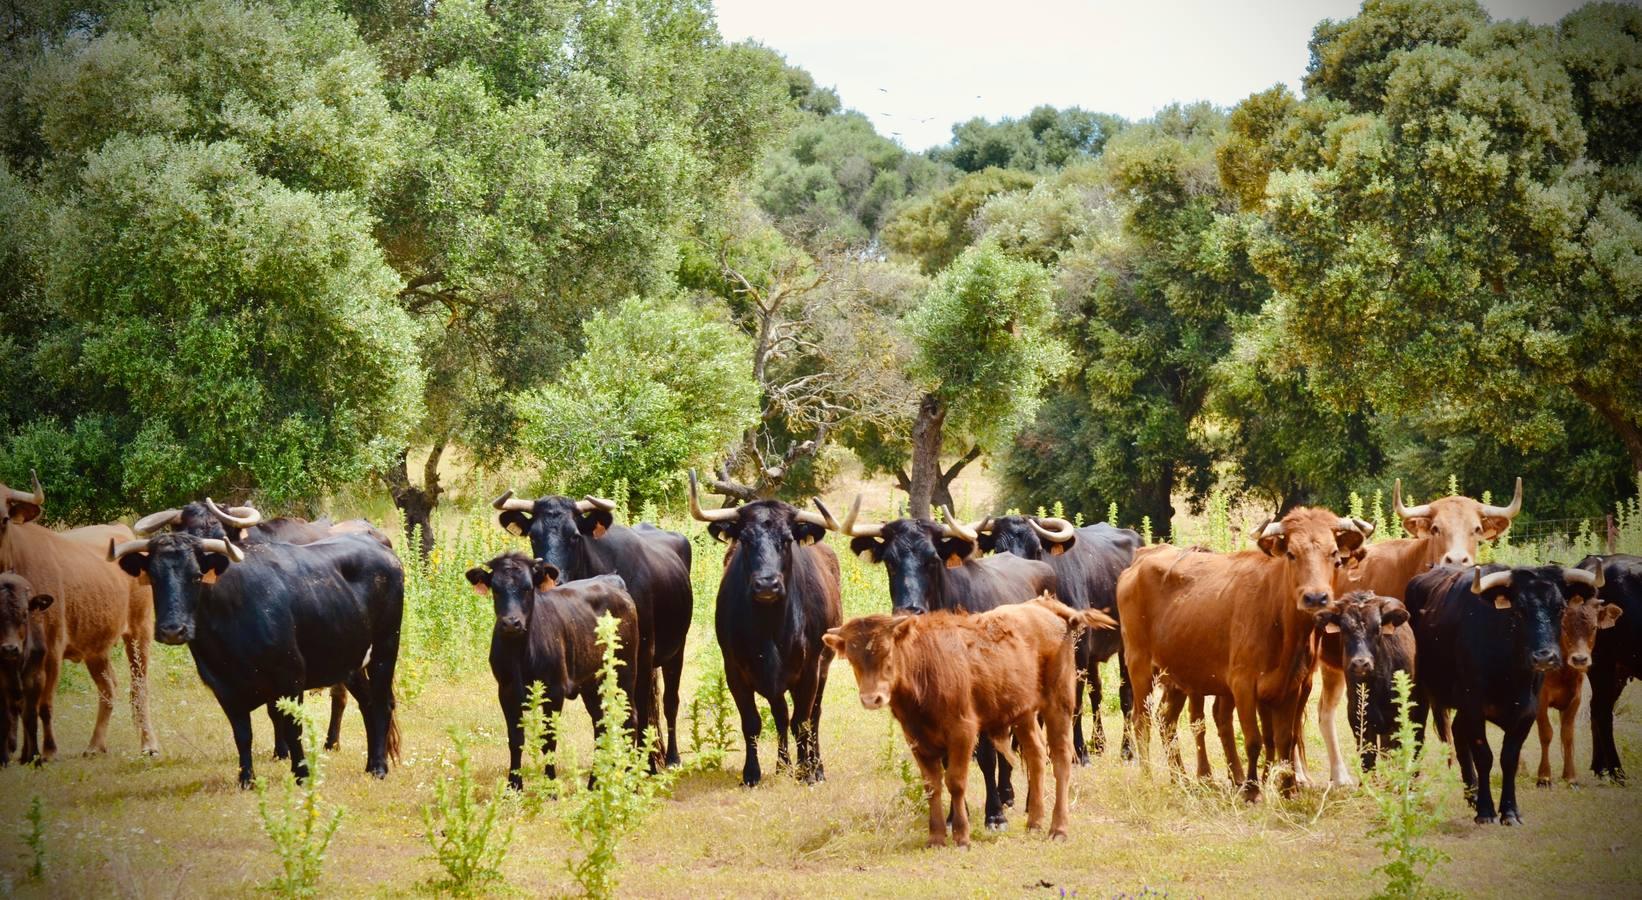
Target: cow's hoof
(1006,795)
(1543,782)
(750,781)
(997,823)
(1484,820)
(377,771)
(151,752)
(935,840)
(246,781)
(1573,784)
(1083,759)
(333,745)
(1058,836)
(95,751)
(1511,818)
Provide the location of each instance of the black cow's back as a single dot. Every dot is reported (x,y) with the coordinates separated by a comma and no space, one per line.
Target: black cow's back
(1619,647)
(993,581)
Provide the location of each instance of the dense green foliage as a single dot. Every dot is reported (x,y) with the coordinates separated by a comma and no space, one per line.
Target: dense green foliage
(280,249)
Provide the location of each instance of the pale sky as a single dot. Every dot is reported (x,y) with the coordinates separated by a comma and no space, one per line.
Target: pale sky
(916,68)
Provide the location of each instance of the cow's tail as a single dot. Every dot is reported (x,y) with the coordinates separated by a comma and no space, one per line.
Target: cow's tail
(1006,751)
(393,728)
(1075,618)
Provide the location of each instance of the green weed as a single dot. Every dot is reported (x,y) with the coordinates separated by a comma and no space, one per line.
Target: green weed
(297,821)
(466,834)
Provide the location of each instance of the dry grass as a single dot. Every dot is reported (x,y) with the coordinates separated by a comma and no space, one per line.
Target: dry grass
(178,825)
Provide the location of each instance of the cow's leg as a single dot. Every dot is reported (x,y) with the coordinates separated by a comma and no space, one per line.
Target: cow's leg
(511,698)
(1542,719)
(1286,719)
(1475,737)
(817,770)
(1199,736)
(9,715)
(1168,726)
(1328,709)
(281,749)
(1510,755)
(986,756)
(957,781)
(1006,782)
(1223,710)
(804,700)
(930,767)
(594,704)
(1032,750)
(31,722)
(382,729)
(1088,675)
(1295,715)
(1248,715)
(102,676)
(1060,757)
(783,722)
(644,695)
(1567,718)
(1605,687)
(339,707)
(50,671)
(136,653)
(672,674)
(291,727)
(746,703)
(240,722)
(1468,766)
(1140,677)
(1126,701)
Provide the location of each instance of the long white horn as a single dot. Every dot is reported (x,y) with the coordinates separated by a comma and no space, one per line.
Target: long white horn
(983,526)
(154,522)
(117,549)
(854,530)
(508,501)
(1406,512)
(827,521)
(1272,529)
(955,528)
(213,545)
(1593,579)
(588,503)
(1052,529)
(813,518)
(1349,523)
(236,516)
(709,515)
(1506,512)
(1486,583)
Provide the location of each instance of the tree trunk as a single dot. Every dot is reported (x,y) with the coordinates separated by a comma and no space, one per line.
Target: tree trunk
(926,456)
(416,504)
(1627,427)
(1154,500)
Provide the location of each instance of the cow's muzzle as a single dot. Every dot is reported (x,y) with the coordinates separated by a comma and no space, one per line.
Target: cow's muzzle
(173,634)
(1360,667)
(1546,660)
(512,626)
(1314,600)
(1579,662)
(11,652)
(768,590)
(874,700)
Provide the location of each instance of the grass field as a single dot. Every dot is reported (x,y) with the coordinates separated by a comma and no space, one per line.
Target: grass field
(179,825)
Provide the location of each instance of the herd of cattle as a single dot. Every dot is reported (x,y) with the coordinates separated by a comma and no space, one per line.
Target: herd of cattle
(991,630)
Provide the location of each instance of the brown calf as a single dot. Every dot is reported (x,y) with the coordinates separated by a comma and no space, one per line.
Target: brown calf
(22,660)
(1562,690)
(952,678)
(1237,624)
(97,604)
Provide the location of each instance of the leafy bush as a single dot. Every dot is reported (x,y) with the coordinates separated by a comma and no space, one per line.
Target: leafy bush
(713,721)
(536,788)
(622,791)
(35,838)
(463,831)
(1405,815)
(296,822)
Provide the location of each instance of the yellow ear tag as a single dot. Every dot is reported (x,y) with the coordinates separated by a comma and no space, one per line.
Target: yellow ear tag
(142,578)
(1331,628)
(514,529)
(1387,629)
(209,576)
(954,561)
(1056,549)
(1502,602)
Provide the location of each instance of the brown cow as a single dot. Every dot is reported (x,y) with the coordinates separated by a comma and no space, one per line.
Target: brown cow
(1238,624)
(22,664)
(1445,532)
(97,604)
(1563,687)
(952,678)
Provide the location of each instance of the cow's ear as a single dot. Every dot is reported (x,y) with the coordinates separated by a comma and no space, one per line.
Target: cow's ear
(480,579)
(1392,614)
(212,565)
(955,550)
(595,522)
(902,627)
(987,541)
(39,602)
(546,574)
(870,549)
(24,511)
(807,533)
(1608,616)
(1059,547)
(517,522)
(1276,545)
(834,640)
(722,531)
(1349,540)
(1494,526)
(135,564)
(1418,526)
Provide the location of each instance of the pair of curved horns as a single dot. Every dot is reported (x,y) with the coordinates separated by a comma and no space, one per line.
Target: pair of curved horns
(118,549)
(1502,579)
(233,517)
(952,527)
(1052,529)
(729,514)
(1424,509)
(519,504)
(1344,523)
(38,498)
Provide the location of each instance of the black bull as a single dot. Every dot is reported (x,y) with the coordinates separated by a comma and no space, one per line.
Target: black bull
(1087,562)
(288,619)
(777,598)
(931,568)
(581,540)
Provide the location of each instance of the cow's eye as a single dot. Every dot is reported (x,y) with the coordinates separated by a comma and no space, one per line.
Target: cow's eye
(1289,554)
(1436,530)
(1477,530)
